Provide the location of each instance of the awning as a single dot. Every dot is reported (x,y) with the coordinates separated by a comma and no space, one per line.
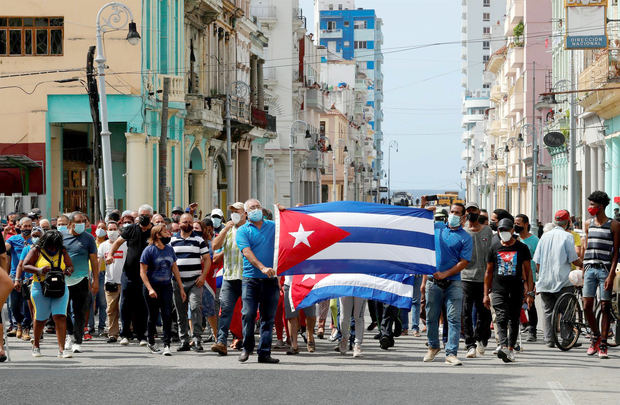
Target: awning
(24,164)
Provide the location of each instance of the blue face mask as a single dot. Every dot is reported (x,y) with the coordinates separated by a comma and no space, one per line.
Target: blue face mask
(62,228)
(79,228)
(216,222)
(255,215)
(454,220)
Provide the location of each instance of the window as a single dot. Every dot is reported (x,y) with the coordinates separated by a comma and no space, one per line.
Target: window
(347,44)
(24,36)
(486,30)
(360,24)
(485,58)
(339,6)
(486,44)
(347,23)
(360,44)
(486,3)
(486,16)
(331,25)
(486,86)
(331,6)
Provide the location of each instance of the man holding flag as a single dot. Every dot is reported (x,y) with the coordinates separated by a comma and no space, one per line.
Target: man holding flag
(453,247)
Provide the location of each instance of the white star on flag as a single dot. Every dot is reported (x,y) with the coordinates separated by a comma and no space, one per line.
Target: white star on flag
(307,276)
(301,236)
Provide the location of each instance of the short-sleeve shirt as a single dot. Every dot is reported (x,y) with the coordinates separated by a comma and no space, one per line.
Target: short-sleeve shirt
(22,257)
(79,248)
(554,255)
(261,241)
(233,258)
(508,265)
(17,243)
(531,242)
(159,262)
(451,246)
(114,270)
(137,240)
(189,252)
(477,266)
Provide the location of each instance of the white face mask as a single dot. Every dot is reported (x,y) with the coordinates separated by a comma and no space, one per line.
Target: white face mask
(505,236)
(235,217)
(112,235)
(100,232)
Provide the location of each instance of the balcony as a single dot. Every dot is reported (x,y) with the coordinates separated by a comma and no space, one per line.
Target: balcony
(514,15)
(314,99)
(602,74)
(516,103)
(204,111)
(466,154)
(331,34)
(177,88)
(496,93)
(467,135)
(264,13)
(471,118)
(515,58)
(259,118)
(271,123)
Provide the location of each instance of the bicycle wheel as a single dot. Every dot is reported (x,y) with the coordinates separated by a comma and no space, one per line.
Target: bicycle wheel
(612,337)
(566,321)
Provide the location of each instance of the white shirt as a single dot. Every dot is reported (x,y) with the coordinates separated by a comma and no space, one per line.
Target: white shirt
(555,253)
(114,270)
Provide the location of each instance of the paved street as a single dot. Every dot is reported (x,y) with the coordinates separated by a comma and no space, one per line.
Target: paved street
(115,374)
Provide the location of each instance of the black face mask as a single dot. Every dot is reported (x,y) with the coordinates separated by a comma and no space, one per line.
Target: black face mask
(493,226)
(165,241)
(26,233)
(144,220)
(472,217)
(186,228)
(518,229)
(18,230)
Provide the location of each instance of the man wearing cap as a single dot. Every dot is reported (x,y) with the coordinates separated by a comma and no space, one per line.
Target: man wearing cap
(472,277)
(508,270)
(554,254)
(217,217)
(176,214)
(230,292)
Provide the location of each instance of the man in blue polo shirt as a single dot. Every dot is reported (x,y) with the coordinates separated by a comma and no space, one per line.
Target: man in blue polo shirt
(17,304)
(453,250)
(260,288)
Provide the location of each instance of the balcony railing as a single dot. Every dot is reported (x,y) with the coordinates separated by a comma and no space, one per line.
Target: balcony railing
(271,123)
(259,118)
(604,72)
(177,87)
(264,12)
(329,34)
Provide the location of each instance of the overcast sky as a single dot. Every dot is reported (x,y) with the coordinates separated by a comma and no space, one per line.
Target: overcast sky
(422,92)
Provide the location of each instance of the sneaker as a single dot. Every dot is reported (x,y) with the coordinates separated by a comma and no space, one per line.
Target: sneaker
(342,347)
(26,335)
(153,348)
(184,347)
(357,350)
(197,347)
(602,351)
(76,348)
(453,360)
(471,353)
(531,337)
(405,332)
(144,343)
(166,351)
(68,342)
(334,336)
(594,346)
(112,339)
(386,342)
(372,325)
(124,341)
(431,354)
(518,348)
(497,349)
(416,333)
(505,355)
(480,348)
(219,348)
(36,352)
(11,332)
(279,345)
(550,344)
(87,335)
(64,355)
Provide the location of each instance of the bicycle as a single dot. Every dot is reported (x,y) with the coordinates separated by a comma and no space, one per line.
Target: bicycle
(568,320)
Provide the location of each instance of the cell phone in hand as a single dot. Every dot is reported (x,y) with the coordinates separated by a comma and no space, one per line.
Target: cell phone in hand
(431,197)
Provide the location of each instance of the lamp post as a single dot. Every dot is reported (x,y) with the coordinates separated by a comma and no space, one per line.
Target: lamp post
(519,143)
(495,157)
(507,191)
(291,148)
(241,90)
(347,163)
(119,16)
(334,193)
(393,144)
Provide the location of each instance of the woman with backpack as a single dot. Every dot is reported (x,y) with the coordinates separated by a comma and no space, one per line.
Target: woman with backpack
(49,262)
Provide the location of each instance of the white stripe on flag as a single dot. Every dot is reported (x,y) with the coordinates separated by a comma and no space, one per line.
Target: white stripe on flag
(367,280)
(394,222)
(376,251)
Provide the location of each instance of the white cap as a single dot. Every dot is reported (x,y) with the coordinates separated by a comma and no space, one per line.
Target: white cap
(218,212)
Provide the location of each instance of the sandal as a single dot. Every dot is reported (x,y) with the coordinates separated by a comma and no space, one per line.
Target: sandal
(311,346)
(292,351)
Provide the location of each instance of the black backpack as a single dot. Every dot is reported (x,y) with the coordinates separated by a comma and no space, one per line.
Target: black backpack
(54,284)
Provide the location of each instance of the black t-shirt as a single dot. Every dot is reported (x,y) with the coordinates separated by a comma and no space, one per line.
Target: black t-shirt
(508,265)
(137,240)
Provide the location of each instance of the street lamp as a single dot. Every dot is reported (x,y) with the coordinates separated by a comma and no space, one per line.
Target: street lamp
(119,17)
(347,162)
(393,144)
(291,147)
(506,156)
(241,90)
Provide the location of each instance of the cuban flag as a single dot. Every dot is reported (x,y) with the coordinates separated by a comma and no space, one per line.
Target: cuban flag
(354,237)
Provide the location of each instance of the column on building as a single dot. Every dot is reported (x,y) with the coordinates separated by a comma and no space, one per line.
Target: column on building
(260,175)
(254,80)
(260,102)
(255,178)
(600,168)
(138,169)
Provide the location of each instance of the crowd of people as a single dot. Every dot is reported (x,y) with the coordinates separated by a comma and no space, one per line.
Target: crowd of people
(139,277)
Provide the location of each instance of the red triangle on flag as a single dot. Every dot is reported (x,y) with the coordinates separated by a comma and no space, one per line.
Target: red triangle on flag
(302,236)
(301,285)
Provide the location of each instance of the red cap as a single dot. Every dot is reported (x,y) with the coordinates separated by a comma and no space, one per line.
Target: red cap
(562,215)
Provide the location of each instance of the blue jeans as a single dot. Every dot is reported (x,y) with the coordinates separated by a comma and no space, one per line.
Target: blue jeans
(415,307)
(230,292)
(452,296)
(259,294)
(19,309)
(593,280)
(100,305)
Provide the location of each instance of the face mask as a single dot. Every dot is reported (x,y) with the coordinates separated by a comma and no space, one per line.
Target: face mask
(112,235)
(34,240)
(235,217)
(187,228)
(255,215)
(144,220)
(482,220)
(505,236)
(493,226)
(216,222)
(593,211)
(18,230)
(165,241)
(100,232)
(454,220)
(26,233)
(472,217)
(518,229)
(62,228)
(79,228)
(127,225)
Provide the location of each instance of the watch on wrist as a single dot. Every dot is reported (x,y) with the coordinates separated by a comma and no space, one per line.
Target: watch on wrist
(531,294)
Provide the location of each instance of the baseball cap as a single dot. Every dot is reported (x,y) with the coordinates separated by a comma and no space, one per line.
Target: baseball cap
(472,205)
(505,223)
(238,206)
(218,212)
(177,209)
(561,215)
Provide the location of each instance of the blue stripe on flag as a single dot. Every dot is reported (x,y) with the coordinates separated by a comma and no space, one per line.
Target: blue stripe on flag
(364,207)
(358,266)
(389,236)
(329,292)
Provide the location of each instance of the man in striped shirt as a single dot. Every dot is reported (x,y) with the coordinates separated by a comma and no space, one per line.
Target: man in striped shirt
(194,262)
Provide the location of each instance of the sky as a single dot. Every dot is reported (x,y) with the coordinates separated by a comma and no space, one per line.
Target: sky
(422,90)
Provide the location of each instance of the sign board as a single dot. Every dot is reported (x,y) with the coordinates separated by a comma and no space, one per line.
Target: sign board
(586,24)
(554,139)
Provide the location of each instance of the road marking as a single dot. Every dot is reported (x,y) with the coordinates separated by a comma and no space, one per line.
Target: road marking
(560,394)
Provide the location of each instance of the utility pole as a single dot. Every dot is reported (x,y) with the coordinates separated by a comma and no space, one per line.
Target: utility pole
(163,148)
(534,218)
(93,101)
(572,134)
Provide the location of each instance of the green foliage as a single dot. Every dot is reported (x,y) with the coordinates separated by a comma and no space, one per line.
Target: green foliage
(518,31)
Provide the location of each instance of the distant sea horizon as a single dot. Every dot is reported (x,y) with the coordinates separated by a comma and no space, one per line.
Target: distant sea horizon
(417,193)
